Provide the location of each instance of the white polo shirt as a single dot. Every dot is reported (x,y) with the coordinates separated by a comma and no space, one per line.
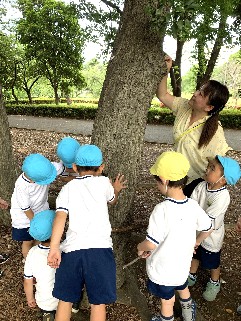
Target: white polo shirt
(172,228)
(28,195)
(215,203)
(36,266)
(85,199)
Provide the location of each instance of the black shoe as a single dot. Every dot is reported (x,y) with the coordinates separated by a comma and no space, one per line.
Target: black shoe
(3,258)
(75,307)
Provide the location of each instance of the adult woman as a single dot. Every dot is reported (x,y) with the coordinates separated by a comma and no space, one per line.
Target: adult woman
(197,132)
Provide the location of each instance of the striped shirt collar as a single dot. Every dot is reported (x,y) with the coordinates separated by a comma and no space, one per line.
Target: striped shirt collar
(215,190)
(83,177)
(177,201)
(26,179)
(42,247)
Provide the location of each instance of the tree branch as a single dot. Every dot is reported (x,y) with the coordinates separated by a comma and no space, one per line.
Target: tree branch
(112,5)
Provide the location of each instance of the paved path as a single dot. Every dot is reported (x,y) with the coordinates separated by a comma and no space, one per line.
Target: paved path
(153,133)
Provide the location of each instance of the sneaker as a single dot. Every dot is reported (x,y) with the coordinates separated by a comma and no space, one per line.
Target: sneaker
(189,311)
(239,310)
(75,307)
(211,291)
(48,316)
(1,273)
(191,280)
(3,258)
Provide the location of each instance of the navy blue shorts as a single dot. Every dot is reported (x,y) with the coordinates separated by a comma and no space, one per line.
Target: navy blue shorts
(164,291)
(209,260)
(21,234)
(94,268)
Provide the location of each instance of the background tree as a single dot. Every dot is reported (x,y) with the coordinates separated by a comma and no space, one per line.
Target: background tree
(8,64)
(27,73)
(230,73)
(181,18)
(94,73)
(212,31)
(50,33)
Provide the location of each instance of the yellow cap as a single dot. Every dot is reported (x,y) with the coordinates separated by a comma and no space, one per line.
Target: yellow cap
(171,166)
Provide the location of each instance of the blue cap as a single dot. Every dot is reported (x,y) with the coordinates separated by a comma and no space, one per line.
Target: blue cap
(41,225)
(66,150)
(88,155)
(39,169)
(231,169)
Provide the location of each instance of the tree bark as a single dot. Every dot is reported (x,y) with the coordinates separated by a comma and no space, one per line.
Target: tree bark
(8,172)
(134,71)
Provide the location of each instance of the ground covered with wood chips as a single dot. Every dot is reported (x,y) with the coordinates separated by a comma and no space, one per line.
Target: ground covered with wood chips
(13,306)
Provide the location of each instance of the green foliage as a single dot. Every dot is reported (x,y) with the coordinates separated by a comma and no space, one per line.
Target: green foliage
(189,80)
(85,111)
(103,20)
(94,73)
(7,60)
(50,33)
(230,74)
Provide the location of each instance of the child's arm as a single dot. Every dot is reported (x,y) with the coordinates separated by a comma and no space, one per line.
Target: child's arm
(238,225)
(118,185)
(3,204)
(29,213)
(202,236)
(28,289)
(145,246)
(54,257)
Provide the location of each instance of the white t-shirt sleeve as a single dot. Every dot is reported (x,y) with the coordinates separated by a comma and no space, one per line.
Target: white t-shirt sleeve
(28,272)
(156,229)
(62,201)
(22,198)
(110,192)
(204,222)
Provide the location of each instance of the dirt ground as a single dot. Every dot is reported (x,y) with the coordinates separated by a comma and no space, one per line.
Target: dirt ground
(13,305)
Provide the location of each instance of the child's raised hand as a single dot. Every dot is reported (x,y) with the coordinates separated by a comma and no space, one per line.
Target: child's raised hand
(119,183)
(238,225)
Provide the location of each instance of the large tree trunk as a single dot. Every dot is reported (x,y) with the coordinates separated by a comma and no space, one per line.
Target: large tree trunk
(135,68)
(7,166)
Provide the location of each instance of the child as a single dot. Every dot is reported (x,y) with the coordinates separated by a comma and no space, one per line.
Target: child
(171,237)
(66,151)
(36,267)
(30,196)
(3,257)
(213,196)
(87,257)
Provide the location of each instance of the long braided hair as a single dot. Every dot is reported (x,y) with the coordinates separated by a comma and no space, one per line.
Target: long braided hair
(218,95)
